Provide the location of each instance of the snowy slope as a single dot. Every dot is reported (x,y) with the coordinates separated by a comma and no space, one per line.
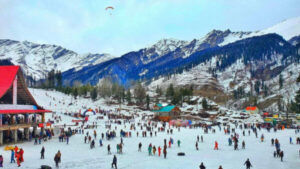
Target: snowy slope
(78,155)
(287,29)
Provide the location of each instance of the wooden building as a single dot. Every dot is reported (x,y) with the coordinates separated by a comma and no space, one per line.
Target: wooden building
(19,112)
(167,113)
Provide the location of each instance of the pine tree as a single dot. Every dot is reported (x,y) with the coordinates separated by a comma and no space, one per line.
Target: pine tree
(148,101)
(170,91)
(75,92)
(204,104)
(94,94)
(295,105)
(128,96)
(280,81)
(257,87)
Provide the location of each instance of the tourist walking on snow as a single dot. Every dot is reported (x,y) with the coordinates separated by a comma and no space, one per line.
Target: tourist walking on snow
(140,147)
(201,166)
(165,151)
(42,153)
(57,158)
(114,163)
(248,164)
(159,151)
(216,146)
(150,149)
(178,143)
(281,155)
(108,149)
(12,157)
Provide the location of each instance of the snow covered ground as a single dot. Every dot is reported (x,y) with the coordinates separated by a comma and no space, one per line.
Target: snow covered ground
(77,155)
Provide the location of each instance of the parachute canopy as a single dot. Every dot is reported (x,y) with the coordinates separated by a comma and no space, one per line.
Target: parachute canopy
(109,7)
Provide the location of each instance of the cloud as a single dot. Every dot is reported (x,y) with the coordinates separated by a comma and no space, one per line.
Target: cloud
(85,26)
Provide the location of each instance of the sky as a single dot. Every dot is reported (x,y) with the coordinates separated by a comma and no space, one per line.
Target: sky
(85,26)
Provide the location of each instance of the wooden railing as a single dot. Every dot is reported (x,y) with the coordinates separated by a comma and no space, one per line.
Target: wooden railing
(17,126)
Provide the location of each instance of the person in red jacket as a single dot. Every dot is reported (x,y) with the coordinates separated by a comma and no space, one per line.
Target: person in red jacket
(16,150)
(159,151)
(18,159)
(170,143)
(216,146)
(21,155)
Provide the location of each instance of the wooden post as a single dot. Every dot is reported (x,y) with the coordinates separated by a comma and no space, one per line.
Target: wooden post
(15,135)
(15,90)
(1,137)
(26,132)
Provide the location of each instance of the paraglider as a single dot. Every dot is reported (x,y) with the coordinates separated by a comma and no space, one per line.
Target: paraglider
(109,8)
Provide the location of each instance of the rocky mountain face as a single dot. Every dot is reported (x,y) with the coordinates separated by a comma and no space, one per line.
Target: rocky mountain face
(37,60)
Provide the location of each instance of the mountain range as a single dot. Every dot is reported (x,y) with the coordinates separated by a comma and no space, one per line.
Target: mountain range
(217,64)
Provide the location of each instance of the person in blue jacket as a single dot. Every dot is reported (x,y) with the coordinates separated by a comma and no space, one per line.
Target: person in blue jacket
(12,158)
(100,142)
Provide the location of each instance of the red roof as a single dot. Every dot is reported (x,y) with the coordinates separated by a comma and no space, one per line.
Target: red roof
(251,108)
(22,111)
(7,76)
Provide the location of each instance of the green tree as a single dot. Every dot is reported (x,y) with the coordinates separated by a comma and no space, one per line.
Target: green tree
(170,91)
(295,105)
(257,87)
(128,96)
(148,101)
(139,93)
(94,93)
(75,92)
(204,104)
(280,81)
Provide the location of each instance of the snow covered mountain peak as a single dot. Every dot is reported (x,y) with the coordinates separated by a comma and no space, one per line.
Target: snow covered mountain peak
(164,46)
(38,59)
(287,29)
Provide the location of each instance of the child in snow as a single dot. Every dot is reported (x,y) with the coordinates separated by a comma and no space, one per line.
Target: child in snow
(216,146)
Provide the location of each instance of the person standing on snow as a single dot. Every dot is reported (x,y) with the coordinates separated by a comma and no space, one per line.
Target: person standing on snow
(42,153)
(1,161)
(57,158)
(140,147)
(281,155)
(248,164)
(100,142)
(159,151)
(216,146)
(18,157)
(165,151)
(108,149)
(201,166)
(114,163)
(178,143)
(197,146)
(12,157)
(150,149)
(21,155)
(154,150)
